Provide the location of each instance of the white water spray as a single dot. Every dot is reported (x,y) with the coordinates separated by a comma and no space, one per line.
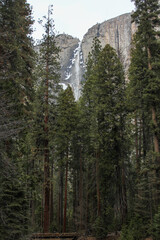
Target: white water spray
(75,70)
(76,84)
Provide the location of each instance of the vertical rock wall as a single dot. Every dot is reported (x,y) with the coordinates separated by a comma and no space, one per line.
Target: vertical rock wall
(117,32)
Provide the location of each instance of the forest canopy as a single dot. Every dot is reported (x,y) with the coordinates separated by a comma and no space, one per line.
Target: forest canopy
(90,166)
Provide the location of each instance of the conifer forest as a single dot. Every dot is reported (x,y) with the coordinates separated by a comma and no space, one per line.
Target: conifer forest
(90,166)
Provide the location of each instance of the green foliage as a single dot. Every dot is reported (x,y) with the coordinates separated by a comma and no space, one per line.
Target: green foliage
(66,151)
(41,138)
(66,121)
(48,60)
(143,99)
(16,89)
(144,70)
(105,149)
(136,229)
(104,142)
(99,228)
(17,54)
(156,225)
(13,205)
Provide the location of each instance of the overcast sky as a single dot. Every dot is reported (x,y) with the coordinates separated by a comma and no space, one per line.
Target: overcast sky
(75,17)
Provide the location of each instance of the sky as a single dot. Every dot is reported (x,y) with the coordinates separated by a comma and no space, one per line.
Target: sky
(75,17)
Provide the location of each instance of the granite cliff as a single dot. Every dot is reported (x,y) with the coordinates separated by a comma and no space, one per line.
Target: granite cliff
(117,32)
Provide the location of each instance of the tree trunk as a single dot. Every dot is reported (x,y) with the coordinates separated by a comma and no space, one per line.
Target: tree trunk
(144,138)
(153,111)
(136,144)
(51,196)
(33,210)
(46,190)
(124,196)
(46,155)
(97,185)
(74,198)
(140,141)
(65,198)
(42,206)
(87,204)
(155,138)
(81,193)
(60,200)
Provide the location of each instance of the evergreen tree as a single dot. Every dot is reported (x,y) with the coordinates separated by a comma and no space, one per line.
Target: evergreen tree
(103,101)
(144,96)
(66,126)
(48,84)
(13,204)
(16,52)
(110,110)
(89,128)
(146,17)
(16,89)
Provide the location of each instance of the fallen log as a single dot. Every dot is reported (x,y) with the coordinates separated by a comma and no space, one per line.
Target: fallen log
(52,236)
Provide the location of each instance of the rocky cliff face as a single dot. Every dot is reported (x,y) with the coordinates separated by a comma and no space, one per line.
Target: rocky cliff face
(117,32)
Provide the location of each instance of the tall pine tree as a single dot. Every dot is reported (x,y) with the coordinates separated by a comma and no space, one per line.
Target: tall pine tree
(144,93)
(48,81)
(16,89)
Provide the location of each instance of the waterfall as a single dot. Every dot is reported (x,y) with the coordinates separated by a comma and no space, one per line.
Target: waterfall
(74,72)
(77,80)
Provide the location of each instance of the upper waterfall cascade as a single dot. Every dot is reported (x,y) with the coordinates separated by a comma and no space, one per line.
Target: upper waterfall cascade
(74,72)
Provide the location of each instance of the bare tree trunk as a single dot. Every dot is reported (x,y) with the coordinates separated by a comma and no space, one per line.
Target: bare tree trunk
(60,201)
(155,138)
(153,111)
(124,196)
(74,197)
(51,196)
(87,205)
(81,193)
(46,152)
(140,142)
(97,185)
(33,210)
(65,200)
(42,206)
(59,205)
(136,144)
(46,189)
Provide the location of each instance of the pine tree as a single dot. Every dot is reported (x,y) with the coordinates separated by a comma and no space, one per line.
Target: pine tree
(66,125)
(16,89)
(144,96)
(14,204)
(146,37)
(110,112)
(103,101)
(16,51)
(88,120)
(48,82)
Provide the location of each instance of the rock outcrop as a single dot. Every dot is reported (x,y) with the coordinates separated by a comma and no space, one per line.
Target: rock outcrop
(117,32)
